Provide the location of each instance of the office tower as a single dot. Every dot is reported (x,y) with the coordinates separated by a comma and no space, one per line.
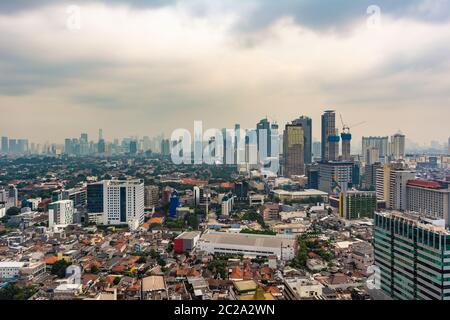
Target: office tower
(397,191)
(22,146)
(379,143)
(312,173)
(68,146)
(174,203)
(357,204)
(306,124)
(119,202)
(330,137)
(238,157)
(13,146)
(227,204)
(429,198)
(165,147)
(151,196)
(372,156)
(101,147)
(84,144)
(317,150)
(398,146)
(241,191)
(370,174)
(133,147)
(271,130)
(100,134)
(60,213)
(335,177)
(5,145)
(412,254)
(293,150)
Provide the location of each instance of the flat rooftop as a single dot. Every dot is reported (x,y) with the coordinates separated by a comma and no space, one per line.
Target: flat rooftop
(254,240)
(306,192)
(188,235)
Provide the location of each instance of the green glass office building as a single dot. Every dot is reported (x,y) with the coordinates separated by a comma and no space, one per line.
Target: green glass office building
(413,254)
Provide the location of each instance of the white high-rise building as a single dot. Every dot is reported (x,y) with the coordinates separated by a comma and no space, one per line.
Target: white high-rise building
(60,213)
(119,202)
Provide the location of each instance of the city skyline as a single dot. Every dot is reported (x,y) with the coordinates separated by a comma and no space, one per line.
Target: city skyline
(142,69)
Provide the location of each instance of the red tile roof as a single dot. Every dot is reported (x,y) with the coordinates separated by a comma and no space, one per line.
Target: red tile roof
(425,184)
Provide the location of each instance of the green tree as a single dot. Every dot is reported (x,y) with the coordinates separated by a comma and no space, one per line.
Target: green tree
(59,268)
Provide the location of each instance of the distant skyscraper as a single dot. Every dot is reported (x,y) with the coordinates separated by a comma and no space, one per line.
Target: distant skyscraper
(411,254)
(317,150)
(133,147)
(306,123)
(100,134)
(5,145)
(293,150)
(165,147)
(398,146)
(330,138)
(269,128)
(13,146)
(380,143)
(335,177)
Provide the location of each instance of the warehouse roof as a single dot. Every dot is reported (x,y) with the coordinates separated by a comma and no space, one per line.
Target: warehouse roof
(255,240)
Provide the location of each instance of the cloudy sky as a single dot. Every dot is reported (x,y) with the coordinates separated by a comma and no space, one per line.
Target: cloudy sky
(146,67)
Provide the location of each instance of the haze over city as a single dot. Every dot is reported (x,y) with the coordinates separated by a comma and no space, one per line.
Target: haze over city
(147,67)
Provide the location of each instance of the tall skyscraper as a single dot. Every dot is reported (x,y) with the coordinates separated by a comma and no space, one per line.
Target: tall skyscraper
(271,130)
(293,150)
(118,202)
(306,123)
(330,137)
(398,146)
